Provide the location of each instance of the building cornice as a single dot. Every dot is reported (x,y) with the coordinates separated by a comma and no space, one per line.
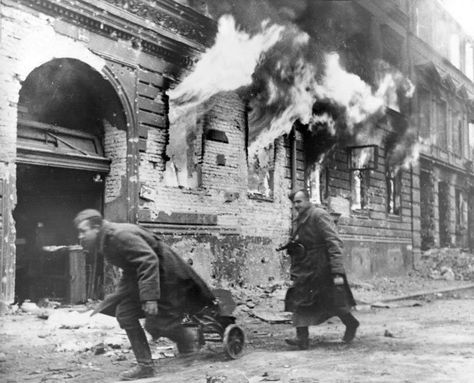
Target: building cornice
(161,28)
(426,157)
(448,67)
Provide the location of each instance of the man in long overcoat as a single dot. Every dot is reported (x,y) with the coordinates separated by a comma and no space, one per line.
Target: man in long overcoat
(320,289)
(156,284)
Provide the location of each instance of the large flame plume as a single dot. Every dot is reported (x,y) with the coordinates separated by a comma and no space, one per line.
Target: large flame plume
(286,75)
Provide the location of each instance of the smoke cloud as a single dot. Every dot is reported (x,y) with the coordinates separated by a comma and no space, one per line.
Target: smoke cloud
(296,62)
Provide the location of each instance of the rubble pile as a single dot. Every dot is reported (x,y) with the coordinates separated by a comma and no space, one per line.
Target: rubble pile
(448,264)
(260,298)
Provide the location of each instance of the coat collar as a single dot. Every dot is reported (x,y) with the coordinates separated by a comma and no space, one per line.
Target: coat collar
(301,219)
(304,215)
(104,231)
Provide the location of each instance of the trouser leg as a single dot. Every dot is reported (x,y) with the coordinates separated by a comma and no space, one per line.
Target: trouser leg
(302,338)
(128,314)
(168,324)
(351,324)
(140,346)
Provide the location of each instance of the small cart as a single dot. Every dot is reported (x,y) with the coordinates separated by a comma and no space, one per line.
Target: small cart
(217,324)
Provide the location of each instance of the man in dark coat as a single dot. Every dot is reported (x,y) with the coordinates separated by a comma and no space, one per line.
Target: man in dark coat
(156,284)
(320,289)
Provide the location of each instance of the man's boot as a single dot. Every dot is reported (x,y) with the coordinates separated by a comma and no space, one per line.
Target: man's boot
(302,338)
(141,349)
(351,324)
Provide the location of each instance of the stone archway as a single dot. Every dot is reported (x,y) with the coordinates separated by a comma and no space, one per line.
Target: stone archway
(71,155)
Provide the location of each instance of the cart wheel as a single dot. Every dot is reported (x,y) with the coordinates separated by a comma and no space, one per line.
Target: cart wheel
(234,341)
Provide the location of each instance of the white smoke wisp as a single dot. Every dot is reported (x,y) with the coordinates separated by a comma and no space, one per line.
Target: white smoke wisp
(349,91)
(227,65)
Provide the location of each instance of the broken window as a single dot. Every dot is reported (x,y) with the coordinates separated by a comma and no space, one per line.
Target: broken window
(317,183)
(457,135)
(392,46)
(184,152)
(424,22)
(360,189)
(441,131)
(394,186)
(361,160)
(261,172)
(424,102)
(461,212)
(427,209)
(471,139)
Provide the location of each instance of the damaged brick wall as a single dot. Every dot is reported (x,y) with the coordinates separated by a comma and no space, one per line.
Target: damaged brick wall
(237,233)
(376,242)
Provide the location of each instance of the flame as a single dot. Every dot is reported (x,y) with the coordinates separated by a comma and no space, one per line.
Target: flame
(350,91)
(299,99)
(278,69)
(364,157)
(227,65)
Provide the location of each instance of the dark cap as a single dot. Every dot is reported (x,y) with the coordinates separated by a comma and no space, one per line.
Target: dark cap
(86,214)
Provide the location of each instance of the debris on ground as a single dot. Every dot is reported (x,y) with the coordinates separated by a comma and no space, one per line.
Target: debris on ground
(29,307)
(446,263)
(397,304)
(99,349)
(48,304)
(388,334)
(227,376)
(162,352)
(271,316)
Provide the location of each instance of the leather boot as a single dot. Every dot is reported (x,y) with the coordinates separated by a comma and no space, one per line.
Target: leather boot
(351,324)
(141,349)
(302,338)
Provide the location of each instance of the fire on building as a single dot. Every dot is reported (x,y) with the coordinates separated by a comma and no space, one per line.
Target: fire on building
(197,118)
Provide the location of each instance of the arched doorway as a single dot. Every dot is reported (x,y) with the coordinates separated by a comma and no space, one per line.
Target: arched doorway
(63,111)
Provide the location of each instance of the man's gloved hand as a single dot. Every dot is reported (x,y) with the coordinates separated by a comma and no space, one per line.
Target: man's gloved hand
(338,280)
(150,307)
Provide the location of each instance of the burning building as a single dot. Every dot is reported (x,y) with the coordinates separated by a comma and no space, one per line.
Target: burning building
(197,118)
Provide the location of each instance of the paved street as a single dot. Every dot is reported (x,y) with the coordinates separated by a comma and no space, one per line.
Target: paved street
(433,342)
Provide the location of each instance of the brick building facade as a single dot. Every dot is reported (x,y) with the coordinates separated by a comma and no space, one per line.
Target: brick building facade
(84,123)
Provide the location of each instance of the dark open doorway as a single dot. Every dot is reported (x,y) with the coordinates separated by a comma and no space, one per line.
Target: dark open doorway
(65,111)
(48,200)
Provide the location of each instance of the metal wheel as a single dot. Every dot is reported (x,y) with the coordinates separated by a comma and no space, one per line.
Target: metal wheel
(234,341)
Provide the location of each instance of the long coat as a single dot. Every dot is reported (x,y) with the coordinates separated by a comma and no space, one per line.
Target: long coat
(150,271)
(315,260)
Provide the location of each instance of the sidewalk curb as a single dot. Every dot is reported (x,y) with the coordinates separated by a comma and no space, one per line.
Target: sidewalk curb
(427,292)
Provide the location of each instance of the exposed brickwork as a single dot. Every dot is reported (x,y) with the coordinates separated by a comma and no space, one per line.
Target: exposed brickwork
(115,148)
(265,221)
